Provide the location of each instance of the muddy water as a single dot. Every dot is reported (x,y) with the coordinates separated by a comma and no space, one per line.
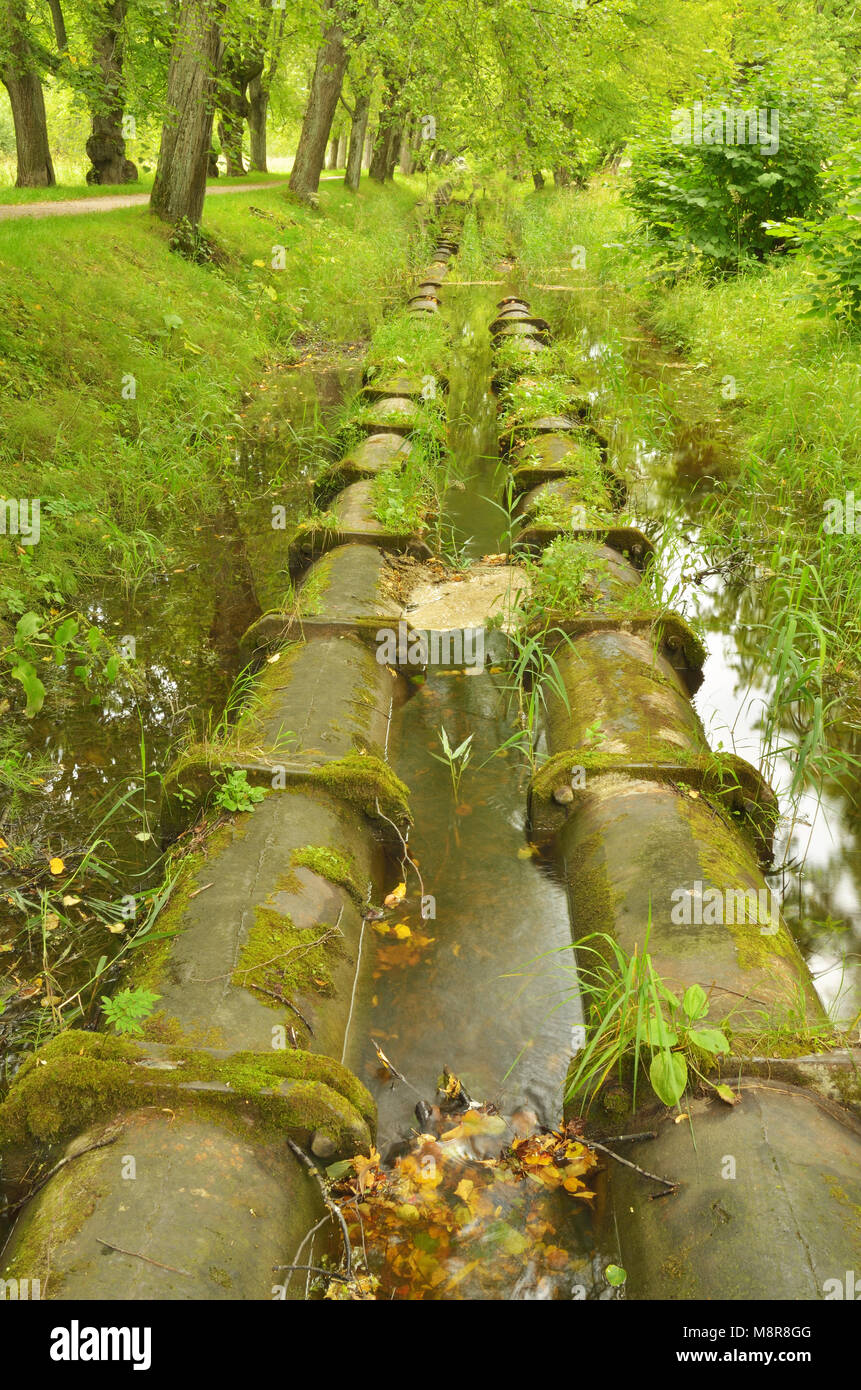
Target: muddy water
(186,615)
(485,983)
(674,453)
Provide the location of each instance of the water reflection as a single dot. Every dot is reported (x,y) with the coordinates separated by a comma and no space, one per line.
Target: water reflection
(675,446)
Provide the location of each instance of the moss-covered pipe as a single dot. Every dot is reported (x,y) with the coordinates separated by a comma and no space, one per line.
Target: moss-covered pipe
(660,842)
(768,1207)
(178,1183)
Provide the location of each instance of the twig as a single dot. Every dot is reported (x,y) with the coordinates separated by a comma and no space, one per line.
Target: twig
(333,1206)
(406,859)
(13,1206)
(593,1144)
(315,1269)
(282,999)
(135,1256)
(628,1138)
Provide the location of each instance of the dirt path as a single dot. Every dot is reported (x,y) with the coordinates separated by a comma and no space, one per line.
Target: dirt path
(65,207)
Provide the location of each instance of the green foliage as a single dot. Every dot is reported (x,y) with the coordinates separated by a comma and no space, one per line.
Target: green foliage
(53,639)
(195,245)
(235,794)
(833,243)
(126,1011)
(455,759)
(710,201)
(634,1016)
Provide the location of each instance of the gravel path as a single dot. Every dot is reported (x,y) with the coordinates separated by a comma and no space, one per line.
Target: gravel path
(66,207)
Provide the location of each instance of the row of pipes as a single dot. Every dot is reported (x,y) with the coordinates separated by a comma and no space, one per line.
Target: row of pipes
(662,845)
(179,1175)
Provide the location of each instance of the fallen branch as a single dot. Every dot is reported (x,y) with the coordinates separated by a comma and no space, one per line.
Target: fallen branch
(629,1138)
(315,1269)
(288,1003)
(406,858)
(46,1177)
(333,1206)
(671,1186)
(135,1256)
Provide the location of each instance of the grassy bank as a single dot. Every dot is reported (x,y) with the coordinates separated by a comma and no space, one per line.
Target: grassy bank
(785,388)
(122,364)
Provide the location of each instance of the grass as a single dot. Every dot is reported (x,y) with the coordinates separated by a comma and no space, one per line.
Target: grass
(780,391)
(122,365)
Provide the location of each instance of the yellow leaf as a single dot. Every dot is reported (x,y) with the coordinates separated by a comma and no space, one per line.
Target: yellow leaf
(463,1189)
(401,931)
(69,900)
(261,264)
(57,866)
(476,1122)
(396,896)
(727,1095)
(461,1274)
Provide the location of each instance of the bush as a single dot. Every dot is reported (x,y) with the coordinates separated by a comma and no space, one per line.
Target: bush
(833,243)
(709,201)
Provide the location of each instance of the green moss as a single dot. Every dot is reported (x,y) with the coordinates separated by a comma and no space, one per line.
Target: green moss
(364,782)
(331,864)
(149,964)
(80,1078)
(55,1219)
(310,596)
(281,959)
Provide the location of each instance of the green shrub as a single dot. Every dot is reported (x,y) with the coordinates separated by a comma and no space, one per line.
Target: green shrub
(709,201)
(833,243)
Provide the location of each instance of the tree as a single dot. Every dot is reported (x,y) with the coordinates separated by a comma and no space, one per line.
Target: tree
(180,181)
(20,76)
(106,147)
(358,129)
(259,89)
(332,59)
(388,141)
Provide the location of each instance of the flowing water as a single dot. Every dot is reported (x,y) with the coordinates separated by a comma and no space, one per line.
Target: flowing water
(818,846)
(96,766)
(480,979)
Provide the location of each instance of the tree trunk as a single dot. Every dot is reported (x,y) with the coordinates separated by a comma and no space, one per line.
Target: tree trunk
(342,149)
(358,130)
(562,176)
(332,156)
(258,106)
(394,150)
(382,161)
(59,25)
(106,147)
(368,152)
(405,156)
(235,107)
(20,77)
(537,178)
(180,181)
(332,59)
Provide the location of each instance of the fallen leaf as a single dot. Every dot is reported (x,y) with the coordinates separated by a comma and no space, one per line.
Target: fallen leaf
(57,866)
(396,896)
(728,1095)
